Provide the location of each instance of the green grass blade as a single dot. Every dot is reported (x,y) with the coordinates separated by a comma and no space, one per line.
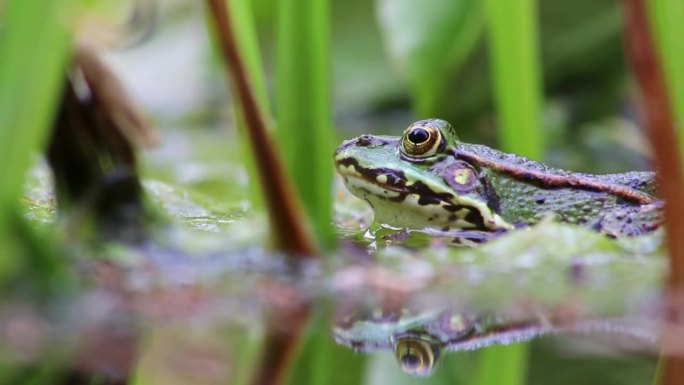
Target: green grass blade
(502,365)
(321,361)
(429,40)
(658,375)
(34,49)
(303,105)
(246,346)
(248,44)
(668,30)
(513,40)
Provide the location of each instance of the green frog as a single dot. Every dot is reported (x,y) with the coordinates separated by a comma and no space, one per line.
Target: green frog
(420,338)
(429,179)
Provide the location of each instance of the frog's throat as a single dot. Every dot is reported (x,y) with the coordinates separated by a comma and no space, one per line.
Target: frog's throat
(393,186)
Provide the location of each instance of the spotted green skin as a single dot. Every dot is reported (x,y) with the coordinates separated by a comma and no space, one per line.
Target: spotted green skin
(473,187)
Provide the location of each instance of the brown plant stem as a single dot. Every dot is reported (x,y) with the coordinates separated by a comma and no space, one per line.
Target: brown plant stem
(285,217)
(661,132)
(284,214)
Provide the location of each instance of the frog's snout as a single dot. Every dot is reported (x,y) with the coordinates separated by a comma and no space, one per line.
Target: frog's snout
(346,149)
(345,145)
(363,141)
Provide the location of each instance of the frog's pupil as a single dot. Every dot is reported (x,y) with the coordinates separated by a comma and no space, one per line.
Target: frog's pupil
(411,361)
(418,136)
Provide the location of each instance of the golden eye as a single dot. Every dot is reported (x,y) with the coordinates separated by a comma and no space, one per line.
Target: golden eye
(416,356)
(422,139)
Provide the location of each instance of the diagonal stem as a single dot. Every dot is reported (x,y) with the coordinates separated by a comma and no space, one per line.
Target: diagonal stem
(287,222)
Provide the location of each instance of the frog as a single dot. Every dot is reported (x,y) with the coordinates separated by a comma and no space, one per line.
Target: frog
(419,338)
(428,178)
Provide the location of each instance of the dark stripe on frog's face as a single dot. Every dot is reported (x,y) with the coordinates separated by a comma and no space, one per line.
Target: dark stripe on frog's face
(469,214)
(396,181)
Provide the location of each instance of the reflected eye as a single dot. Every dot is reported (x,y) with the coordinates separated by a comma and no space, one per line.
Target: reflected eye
(421,140)
(416,356)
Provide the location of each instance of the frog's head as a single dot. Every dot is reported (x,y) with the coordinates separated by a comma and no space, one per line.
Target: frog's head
(417,337)
(415,181)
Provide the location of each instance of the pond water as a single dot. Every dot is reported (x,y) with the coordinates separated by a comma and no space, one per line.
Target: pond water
(203,301)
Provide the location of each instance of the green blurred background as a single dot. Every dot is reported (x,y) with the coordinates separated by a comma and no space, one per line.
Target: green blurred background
(544,79)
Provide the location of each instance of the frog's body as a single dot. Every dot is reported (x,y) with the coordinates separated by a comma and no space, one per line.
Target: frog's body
(428,178)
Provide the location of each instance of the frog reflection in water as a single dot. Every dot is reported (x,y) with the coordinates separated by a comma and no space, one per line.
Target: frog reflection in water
(419,339)
(427,178)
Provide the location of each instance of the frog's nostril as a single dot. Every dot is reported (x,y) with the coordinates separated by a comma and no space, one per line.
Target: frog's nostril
(364,141)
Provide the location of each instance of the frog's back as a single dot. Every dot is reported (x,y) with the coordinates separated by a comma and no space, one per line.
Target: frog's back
(530,171)
(523,191)
(643,181)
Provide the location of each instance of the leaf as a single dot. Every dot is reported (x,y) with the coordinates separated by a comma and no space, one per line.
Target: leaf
(516,70)
(429,40)
(34,48)
(304,108)
(667,32)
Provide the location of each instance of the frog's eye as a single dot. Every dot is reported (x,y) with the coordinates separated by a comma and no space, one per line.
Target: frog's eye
(416,356)
(421,140)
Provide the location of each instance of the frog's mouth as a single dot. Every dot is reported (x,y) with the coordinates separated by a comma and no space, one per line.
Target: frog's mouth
(384,178)
(388,183)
